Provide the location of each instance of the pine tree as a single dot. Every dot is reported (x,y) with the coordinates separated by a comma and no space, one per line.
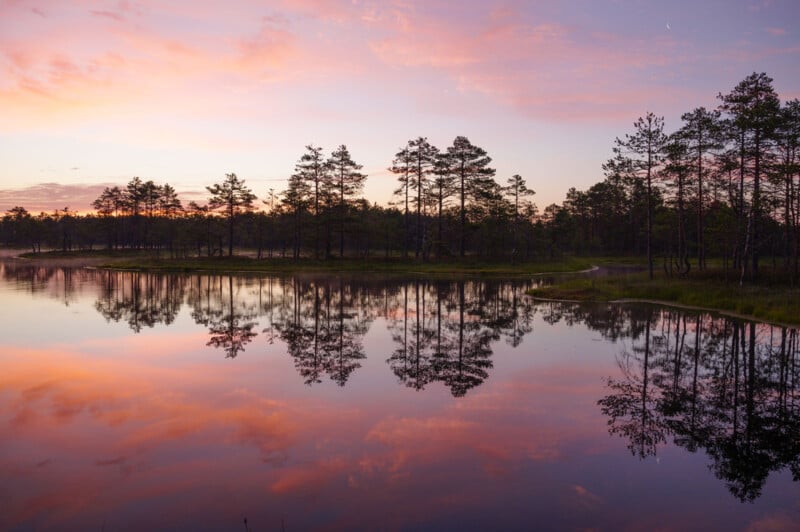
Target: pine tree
(677,167)
(313,169)
(469,166)
(296,198)
(346,181)
(423,156)
(517,191)
(641,154)
(753,108)
(402,167)
(168,202)
(442,188)
(701,133)
(233,197)
(788,168)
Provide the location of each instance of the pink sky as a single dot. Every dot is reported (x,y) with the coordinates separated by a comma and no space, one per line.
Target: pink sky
(93,93)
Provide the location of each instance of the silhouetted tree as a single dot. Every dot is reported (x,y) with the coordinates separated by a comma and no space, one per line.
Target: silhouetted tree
(786,174)
(313,170)
(701,133)
(233,197)
(402,167)
(640,155)
(676,171)
(423,156)
(517,192)
(469,167)
(442,188)
(346,182)
(753,108)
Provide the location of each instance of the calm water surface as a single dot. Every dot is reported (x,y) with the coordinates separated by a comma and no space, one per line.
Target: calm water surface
(141,401)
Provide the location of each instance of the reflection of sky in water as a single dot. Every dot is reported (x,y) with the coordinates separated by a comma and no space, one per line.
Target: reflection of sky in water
(157,429)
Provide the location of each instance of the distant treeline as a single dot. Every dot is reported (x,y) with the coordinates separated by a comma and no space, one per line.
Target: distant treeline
(724,185)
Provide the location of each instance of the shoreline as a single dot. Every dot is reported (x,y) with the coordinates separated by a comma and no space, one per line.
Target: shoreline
(673,304)
(243,265)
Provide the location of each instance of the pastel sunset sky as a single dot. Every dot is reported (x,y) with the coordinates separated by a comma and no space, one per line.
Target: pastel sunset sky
(93,93)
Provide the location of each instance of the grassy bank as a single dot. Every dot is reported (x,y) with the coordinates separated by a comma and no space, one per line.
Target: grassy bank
(146,261)
(241,264)
(770,301)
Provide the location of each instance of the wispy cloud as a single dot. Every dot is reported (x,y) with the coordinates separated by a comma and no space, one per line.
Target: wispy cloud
(255,77)
(47,197)
(108,14)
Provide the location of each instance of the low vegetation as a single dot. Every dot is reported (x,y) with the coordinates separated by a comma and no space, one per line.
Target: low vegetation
(771,300)
(148,261)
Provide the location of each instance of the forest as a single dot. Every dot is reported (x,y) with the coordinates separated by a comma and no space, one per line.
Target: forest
(721,190)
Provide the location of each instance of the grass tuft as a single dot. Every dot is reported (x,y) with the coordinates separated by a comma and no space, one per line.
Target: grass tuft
(708,290)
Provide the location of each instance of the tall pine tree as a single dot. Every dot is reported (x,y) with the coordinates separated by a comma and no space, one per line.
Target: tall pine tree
(753,108)
(641,153)
(233,197)
(469,167)
(346,181)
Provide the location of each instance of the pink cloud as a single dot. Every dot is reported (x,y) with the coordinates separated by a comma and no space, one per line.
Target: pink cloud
(108,14)
(542,69)
(142,70)
(146,60)
(774,522)
(96,67)
(46,197)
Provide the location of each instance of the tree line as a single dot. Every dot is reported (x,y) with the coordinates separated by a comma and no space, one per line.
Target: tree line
(724,186)
(446,204)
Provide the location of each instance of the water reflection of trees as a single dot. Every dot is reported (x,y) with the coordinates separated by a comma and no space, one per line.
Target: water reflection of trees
(721,385)
(443,332)
(60,283)
(324,328)
(140,300)
(230,319)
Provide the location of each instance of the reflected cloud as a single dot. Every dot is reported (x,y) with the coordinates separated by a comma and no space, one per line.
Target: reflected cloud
(586,498)
(147,415)
(309,479)
(774,523)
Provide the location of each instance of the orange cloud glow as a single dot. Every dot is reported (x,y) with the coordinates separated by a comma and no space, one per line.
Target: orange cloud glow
(187,91)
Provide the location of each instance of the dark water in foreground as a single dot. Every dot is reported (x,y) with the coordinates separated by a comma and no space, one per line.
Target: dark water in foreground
(140,401)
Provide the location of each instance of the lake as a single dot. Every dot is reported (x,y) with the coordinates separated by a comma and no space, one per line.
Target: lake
(136,401)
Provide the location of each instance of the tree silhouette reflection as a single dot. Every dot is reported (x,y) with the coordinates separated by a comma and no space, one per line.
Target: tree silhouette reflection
(229,318)
(324,330)
(140,299)
(229,329)
(451,342)
(412,360)
(631,409)
(721,385)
